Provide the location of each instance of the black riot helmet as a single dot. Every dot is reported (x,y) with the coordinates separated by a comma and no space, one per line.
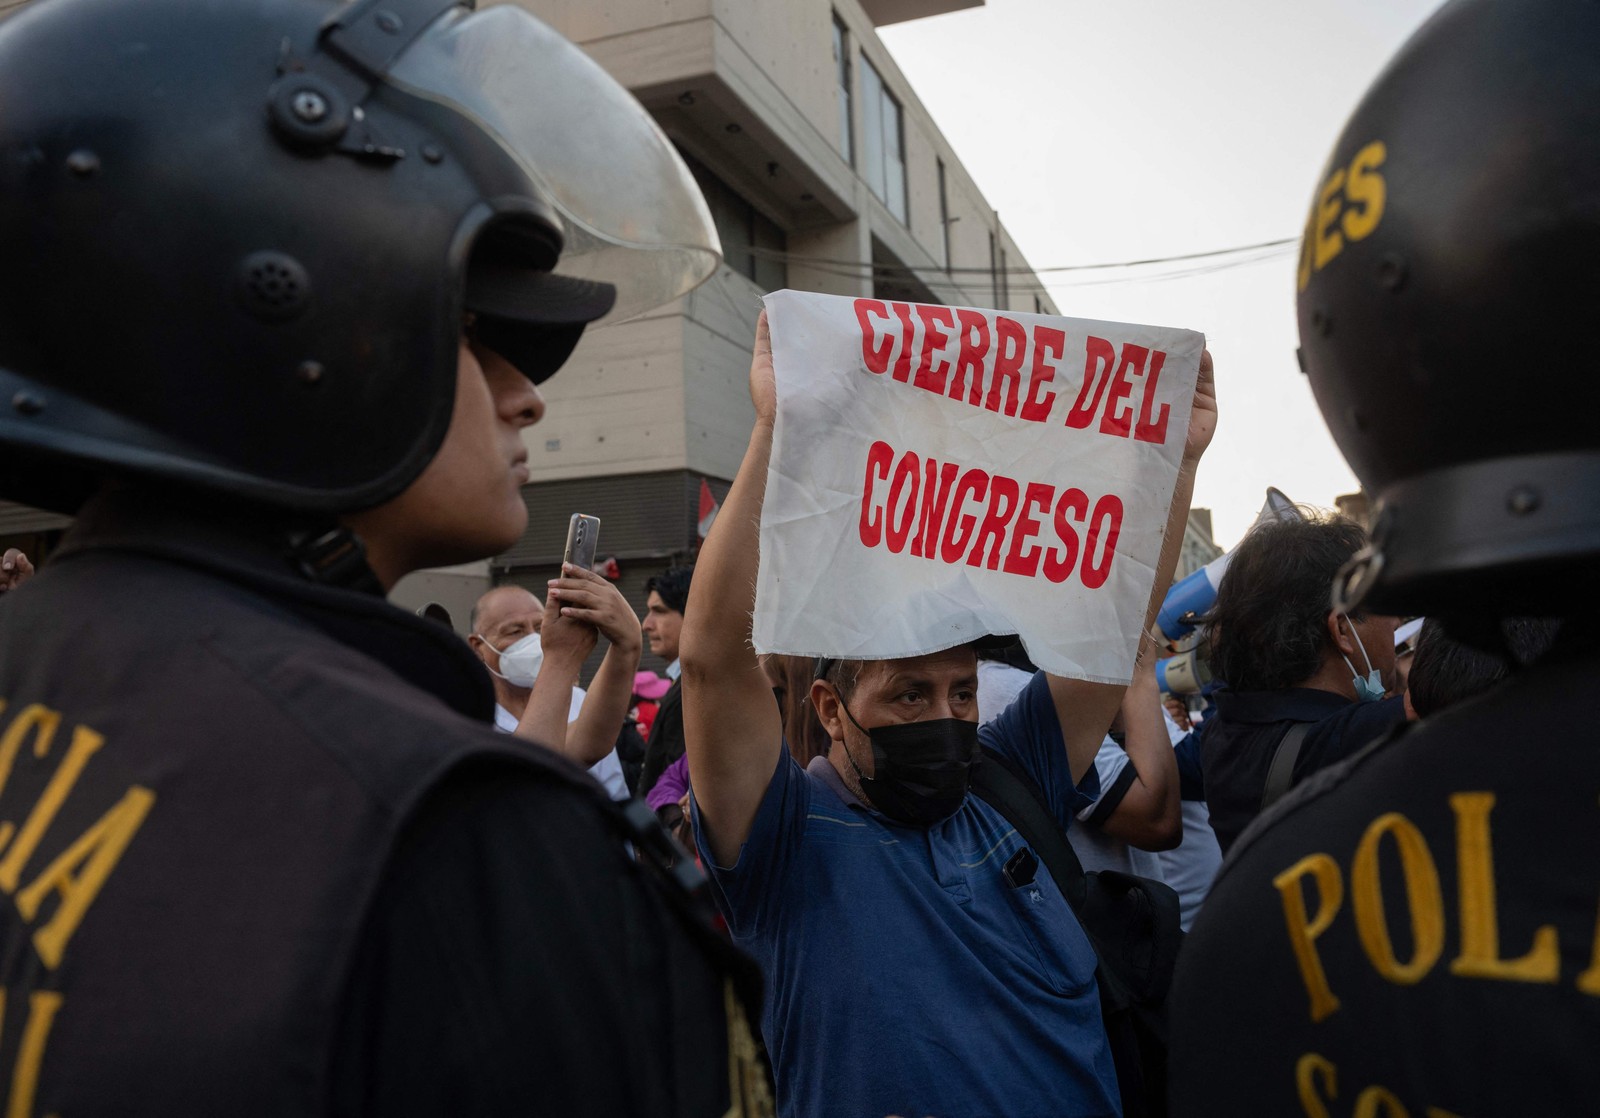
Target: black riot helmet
(1447,269)
(238,237)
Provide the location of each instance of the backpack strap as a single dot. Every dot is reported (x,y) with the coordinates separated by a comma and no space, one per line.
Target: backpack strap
(1005,786)
(1281,773)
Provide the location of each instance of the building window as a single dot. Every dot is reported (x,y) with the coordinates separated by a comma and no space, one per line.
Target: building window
(752,244)
(883,142)
(994,273)
(841,70)
(944,215)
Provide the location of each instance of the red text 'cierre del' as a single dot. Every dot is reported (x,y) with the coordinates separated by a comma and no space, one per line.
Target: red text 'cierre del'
(1011,369)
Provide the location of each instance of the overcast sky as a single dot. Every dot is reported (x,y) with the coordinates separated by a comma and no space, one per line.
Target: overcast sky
(1139,128)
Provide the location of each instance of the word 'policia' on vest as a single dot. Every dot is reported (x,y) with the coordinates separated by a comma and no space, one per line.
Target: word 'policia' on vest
(75,876)
(1480,956)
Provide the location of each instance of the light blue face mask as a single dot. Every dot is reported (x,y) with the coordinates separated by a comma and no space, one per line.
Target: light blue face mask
(1370,689)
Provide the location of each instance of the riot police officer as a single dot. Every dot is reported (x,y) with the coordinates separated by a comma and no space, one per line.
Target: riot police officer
(277,284)
(1414,931)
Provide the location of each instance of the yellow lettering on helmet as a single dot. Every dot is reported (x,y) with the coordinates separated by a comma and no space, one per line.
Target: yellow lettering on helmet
(1328,241)
(1348,207)
(1364,189)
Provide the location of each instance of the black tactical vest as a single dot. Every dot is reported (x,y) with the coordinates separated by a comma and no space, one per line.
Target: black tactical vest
(1414,932)
(201,783)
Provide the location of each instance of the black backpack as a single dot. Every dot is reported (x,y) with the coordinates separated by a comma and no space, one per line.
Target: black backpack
(1132,922)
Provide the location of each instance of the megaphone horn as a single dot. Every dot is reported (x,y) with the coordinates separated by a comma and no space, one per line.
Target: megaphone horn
(1191,596)
(1183,674)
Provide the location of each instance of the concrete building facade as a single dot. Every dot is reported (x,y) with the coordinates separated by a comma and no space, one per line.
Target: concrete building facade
(824,172)
(1198,546)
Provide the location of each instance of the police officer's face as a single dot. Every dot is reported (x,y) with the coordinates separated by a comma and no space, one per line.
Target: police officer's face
(467,504)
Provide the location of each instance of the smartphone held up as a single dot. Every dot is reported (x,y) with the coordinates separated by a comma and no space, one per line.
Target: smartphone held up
(583,537)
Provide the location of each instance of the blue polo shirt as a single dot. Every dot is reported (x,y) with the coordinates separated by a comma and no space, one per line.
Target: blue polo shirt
(904,975)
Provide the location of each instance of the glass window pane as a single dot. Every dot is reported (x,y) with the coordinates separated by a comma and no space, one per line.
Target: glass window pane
(771,272)
(730,213)
(894,157)
(841,59)
(872,138)
(944,214)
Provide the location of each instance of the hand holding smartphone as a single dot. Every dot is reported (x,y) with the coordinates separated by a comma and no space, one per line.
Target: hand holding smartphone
(583,537)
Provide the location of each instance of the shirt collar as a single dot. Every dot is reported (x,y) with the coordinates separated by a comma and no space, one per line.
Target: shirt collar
(822,768)
(249,549)
(1307,704)
(674,668)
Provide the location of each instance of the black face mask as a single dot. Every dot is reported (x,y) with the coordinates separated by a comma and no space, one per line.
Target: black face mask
(922,767)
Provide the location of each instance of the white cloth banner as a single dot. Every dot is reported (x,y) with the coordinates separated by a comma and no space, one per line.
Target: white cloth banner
(940,473)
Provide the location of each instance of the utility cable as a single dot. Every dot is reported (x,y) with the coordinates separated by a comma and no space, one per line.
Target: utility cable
(868,266)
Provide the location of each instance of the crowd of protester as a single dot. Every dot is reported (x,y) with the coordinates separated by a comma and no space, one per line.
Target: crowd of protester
(1157,798)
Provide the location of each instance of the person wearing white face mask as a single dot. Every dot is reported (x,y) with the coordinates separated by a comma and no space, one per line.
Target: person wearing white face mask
(535,683)
(1306,685)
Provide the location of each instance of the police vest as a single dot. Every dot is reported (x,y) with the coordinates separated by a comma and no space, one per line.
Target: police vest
(1413,934)
(199,791)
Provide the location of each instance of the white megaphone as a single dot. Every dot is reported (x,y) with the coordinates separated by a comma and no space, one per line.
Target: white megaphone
(1192,595)
(1187,673)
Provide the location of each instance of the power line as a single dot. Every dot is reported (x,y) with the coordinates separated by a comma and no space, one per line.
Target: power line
(1030,281)
(864,266)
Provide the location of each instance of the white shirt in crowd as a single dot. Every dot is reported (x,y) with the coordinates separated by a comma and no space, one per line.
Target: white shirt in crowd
(608,770)
(998,684)
(1189,868)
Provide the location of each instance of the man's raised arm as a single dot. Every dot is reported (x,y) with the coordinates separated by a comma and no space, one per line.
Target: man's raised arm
(731,728)
(1086,709)
(588,597)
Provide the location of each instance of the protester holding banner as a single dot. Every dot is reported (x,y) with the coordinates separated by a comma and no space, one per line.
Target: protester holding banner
(918,958)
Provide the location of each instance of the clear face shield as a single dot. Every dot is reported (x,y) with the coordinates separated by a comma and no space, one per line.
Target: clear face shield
(630,211)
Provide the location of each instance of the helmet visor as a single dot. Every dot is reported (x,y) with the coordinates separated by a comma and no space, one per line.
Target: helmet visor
(632,215)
